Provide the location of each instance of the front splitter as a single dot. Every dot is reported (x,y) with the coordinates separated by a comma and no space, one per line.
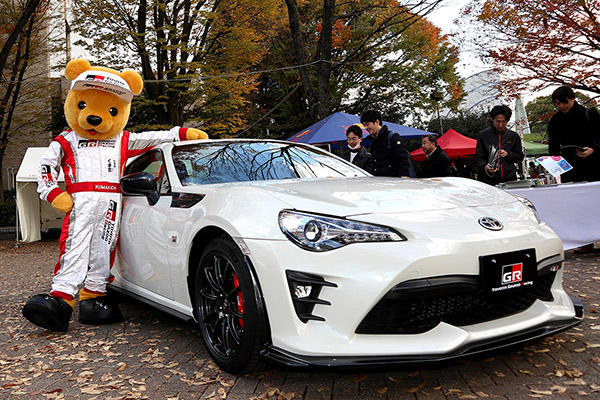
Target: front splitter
(283,357)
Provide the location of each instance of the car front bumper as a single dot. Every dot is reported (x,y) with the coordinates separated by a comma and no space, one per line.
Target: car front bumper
(363,274)
(283,357)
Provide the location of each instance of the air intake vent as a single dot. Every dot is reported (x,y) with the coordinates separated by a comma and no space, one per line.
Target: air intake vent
(305,289)
(420,305)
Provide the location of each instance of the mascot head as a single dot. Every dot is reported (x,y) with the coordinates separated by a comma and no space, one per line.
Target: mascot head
(98,103)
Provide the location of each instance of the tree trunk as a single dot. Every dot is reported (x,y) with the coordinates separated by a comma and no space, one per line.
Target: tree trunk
(2,199)
(299,51)
(324,67)
(28,10)
(13,89)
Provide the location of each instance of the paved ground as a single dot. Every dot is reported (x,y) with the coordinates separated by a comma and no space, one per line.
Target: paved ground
(155,356)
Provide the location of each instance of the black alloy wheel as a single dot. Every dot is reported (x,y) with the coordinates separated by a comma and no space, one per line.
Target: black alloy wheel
(231,323)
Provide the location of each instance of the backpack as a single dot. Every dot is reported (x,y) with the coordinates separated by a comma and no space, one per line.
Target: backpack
(411,170)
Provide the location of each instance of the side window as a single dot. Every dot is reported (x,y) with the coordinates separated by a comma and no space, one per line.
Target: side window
(165,186)
(152,163)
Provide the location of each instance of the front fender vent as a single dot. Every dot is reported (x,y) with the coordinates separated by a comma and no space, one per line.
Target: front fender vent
(305,289)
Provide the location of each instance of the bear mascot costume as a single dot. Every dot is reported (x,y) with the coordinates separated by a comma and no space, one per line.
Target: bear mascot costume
(92,154)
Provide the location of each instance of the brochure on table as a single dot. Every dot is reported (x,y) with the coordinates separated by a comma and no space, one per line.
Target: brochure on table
(556,166)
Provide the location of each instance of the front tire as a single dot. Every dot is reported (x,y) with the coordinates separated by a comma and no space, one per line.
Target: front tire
(227,305)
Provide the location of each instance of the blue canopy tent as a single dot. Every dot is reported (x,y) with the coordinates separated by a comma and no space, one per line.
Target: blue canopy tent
(333,129)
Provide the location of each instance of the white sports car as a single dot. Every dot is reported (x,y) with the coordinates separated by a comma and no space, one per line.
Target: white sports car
(285,252)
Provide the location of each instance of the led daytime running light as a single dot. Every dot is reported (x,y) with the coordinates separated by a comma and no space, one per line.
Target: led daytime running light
(322,233)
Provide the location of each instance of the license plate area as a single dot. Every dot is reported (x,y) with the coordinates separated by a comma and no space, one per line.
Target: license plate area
(508,272)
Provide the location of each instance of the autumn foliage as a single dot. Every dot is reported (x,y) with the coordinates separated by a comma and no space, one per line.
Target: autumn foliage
(194,55)
(539,42)
(380,54)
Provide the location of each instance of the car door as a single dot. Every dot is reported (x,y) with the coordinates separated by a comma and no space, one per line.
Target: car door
(143,258)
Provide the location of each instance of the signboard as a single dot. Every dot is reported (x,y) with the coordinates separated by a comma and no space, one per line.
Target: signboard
(556,166)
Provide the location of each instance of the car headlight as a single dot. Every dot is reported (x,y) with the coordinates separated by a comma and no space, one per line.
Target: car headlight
(321,233)
(529,205)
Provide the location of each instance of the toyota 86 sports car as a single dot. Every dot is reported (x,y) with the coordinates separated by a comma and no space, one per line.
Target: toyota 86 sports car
(284,252)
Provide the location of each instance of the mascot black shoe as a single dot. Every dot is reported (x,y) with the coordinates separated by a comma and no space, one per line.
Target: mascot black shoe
(49,312)
(96,308)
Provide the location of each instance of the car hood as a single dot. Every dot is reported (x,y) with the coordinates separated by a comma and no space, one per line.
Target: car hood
(356,196)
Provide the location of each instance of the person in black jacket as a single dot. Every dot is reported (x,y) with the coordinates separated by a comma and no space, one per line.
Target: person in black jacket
(355,152)
(498,149)
(388,153)
(574,125)
(437,162)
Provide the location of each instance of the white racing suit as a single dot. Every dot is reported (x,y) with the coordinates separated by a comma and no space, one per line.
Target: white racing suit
(92,170)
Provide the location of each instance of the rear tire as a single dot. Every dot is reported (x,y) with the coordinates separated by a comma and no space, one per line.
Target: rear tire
(230,315)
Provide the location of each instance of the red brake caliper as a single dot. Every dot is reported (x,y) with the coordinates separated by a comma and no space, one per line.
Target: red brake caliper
(240,299)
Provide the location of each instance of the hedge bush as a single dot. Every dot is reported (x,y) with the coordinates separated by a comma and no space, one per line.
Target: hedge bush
(8,209)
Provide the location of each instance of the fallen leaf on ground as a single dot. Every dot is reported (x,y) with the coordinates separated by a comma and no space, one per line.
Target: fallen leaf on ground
(359,378)
(414,389)
(525,371)
(546,392)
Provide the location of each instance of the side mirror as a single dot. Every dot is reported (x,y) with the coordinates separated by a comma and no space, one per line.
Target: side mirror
(140,183)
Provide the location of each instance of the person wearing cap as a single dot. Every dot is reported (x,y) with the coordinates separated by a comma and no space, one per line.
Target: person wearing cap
(355,152)
(93,155)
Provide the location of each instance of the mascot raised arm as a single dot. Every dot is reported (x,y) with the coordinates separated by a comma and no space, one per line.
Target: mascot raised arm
(92,154)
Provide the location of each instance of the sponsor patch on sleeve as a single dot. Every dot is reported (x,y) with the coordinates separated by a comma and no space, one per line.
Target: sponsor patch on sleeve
(47,175)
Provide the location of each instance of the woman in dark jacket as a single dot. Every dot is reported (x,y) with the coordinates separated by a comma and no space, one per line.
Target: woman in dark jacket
(355,152)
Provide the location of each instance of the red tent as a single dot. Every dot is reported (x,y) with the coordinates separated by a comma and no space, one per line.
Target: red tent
(454,144)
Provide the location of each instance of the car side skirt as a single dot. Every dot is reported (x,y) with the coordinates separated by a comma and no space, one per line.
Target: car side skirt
(283,357)
(154,304)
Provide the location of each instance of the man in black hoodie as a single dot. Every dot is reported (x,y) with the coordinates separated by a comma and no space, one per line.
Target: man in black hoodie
(388,153)
(574,133)
(498,149)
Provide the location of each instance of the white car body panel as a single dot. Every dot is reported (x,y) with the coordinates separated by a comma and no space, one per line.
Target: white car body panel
(438,217)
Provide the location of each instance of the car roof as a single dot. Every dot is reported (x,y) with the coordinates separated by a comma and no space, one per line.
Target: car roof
(187,142)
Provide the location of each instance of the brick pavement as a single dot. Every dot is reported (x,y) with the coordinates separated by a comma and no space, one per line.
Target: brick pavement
(155,356)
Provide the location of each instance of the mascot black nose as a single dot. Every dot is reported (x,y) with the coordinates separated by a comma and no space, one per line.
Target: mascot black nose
(94,120)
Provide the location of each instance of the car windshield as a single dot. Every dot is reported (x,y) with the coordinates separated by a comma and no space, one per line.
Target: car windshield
(222,162)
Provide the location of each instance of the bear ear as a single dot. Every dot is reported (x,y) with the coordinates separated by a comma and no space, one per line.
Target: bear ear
(134,80)
(76,67)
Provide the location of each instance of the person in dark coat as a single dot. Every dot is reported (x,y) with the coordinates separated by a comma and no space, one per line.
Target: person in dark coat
(437,162)
(575,125)
(498,149)
(388,153)
(355,152)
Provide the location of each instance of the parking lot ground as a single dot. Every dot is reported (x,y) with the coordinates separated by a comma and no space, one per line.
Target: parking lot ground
(152,355)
